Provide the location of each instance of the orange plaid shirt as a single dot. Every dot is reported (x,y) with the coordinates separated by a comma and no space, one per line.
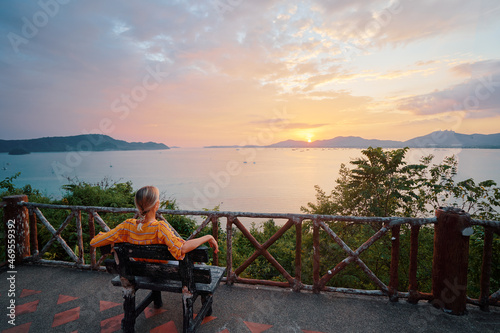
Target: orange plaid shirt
(156,232)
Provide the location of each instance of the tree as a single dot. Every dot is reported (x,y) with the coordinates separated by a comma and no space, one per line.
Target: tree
(382,184)
(105,193)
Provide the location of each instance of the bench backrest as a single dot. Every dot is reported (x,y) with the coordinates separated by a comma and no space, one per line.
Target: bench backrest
(158,252)
(183,270)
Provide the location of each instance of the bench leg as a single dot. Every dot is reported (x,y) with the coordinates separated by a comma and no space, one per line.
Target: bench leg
(128,321)
(204,299)
(158,303)
(187,310)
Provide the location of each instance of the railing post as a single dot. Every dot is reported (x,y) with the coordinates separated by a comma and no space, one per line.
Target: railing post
(316,257)
(486,269)
(451,258)
(79,233)
(393,283)
(298,256)
(413,284)
(93,259)
(215,234)
(17,230)
(229,254)
(33,234)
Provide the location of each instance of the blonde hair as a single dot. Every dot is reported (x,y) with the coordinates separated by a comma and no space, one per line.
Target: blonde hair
(145,199)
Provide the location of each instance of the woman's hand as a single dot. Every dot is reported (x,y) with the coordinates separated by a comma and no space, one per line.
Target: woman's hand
(192,244)
(213,244)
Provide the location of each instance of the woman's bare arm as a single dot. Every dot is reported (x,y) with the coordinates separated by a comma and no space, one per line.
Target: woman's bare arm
(192,244)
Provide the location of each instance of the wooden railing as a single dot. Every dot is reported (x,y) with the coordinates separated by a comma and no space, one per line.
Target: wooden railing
(233,219)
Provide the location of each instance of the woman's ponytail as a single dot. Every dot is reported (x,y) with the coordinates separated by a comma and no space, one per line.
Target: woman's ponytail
(145,199)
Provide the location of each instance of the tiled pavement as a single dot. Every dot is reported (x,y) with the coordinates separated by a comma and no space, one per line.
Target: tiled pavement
(54,299)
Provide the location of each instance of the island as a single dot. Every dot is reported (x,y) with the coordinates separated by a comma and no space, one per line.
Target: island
(85,142)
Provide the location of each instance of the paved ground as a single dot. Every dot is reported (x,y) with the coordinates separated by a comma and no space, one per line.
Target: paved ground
(54,299)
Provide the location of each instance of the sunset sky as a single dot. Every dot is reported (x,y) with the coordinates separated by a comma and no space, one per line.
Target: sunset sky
(231,72)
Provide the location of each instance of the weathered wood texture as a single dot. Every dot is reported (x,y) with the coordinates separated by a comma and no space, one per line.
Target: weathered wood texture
(298,255)
(393,283)
(33,233)
(16,227)
(486,268)
(450,262)
(413,296)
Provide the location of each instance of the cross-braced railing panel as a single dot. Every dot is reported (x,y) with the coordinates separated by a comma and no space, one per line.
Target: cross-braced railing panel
(261,250)
(352,256)
(56,234)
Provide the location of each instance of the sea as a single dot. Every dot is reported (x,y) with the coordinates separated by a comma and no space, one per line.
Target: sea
(260,180)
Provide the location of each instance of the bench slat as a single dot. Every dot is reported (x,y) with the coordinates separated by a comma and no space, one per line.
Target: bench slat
(201,274)
(158,252)
(142,282)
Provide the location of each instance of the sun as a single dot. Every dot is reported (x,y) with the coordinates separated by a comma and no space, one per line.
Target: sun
(305,136)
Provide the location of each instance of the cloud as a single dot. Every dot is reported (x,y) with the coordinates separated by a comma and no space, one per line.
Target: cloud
(223,65)
(378,23)
(399,73)
(425,63)
(477,69)
(478,95)
(271,121)
(304,126)
(285,123)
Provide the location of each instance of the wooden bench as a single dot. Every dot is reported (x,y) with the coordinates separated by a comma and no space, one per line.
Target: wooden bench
(192,280)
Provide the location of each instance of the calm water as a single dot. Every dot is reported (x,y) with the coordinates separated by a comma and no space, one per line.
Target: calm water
(246,180)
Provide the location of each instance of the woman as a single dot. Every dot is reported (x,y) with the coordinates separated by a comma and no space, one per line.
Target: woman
(147,230)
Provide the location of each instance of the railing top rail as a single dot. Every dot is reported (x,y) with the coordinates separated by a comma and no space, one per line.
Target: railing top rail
(297,218)
(486,223)
(77,207)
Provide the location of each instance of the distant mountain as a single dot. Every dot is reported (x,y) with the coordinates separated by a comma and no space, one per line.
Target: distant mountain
(438,139)
(85,142)
(355,142)
(340,141)
(290,144)
(450,139)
